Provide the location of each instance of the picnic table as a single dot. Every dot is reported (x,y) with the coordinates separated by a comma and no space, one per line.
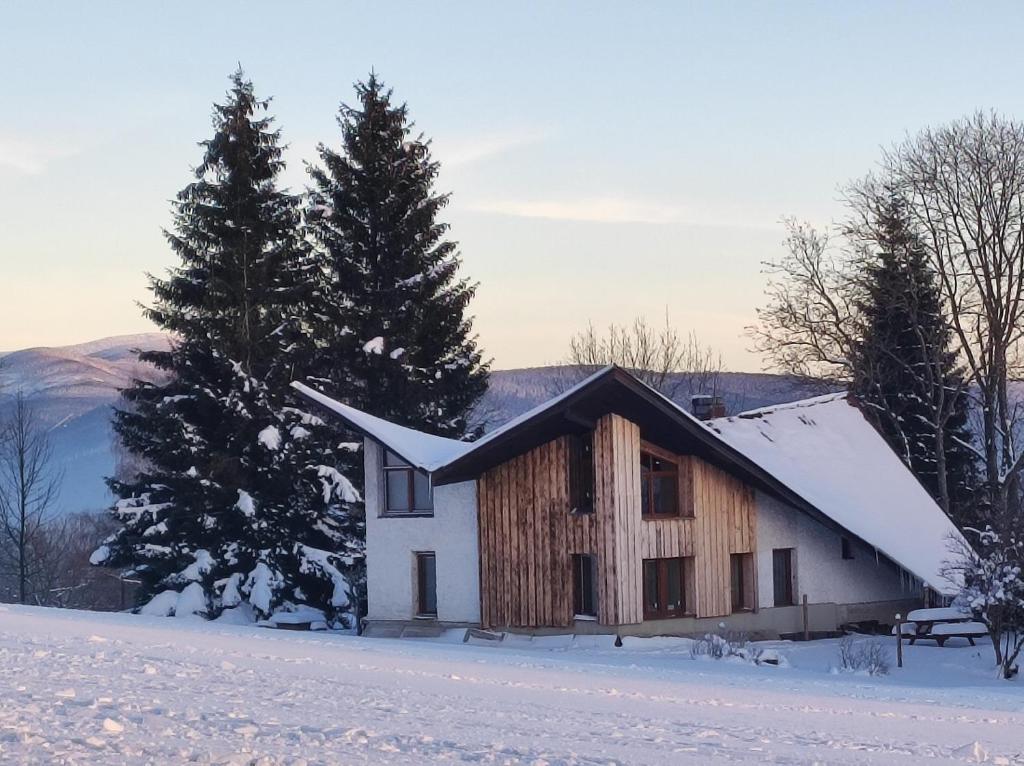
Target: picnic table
(940,625)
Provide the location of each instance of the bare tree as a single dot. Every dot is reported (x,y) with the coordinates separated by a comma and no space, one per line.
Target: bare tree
(28,490)
(964,183)
(667,361)
(817,327)
(811,324)
(68,580)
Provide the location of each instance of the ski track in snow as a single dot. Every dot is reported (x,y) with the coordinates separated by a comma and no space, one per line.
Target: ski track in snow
(83,688)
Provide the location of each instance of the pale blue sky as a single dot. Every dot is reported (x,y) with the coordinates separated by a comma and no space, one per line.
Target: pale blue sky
(605,159)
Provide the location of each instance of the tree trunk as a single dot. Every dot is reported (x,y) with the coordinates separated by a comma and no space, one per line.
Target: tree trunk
(941,479)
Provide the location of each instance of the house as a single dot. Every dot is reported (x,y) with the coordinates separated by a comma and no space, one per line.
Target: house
(611,509)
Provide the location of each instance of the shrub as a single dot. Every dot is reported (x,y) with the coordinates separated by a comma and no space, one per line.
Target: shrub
(863,657)
(733,645)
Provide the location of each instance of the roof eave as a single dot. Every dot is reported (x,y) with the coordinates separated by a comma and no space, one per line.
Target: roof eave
(322,401)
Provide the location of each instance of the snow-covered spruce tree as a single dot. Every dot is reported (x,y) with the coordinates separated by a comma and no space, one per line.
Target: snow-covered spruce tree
(401,345)
(905,373)
(239,501)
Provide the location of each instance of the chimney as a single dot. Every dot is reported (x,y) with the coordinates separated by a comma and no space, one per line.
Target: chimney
(707,406)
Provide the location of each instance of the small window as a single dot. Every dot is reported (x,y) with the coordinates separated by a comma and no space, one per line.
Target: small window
(742,576)
(584,585)
(847,548)
(406,490)
(782,576)
(426,585)
(581,473)
(664,588)
(659,486)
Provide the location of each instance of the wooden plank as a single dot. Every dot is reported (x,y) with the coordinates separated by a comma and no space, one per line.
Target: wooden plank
(526,524)
(506,544)
(546,508)
(485,547)
(636,523)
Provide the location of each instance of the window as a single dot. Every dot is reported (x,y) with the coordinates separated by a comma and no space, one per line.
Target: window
(665,585)
(584,585)
(659,486)
(406,490)
(782,576)
(847,548)
(581,473)
(426,585)
(742,575)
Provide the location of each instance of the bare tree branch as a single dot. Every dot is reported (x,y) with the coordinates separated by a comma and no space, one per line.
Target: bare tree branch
(667,361)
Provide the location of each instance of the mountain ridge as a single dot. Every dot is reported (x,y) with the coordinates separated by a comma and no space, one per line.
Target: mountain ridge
(74,387)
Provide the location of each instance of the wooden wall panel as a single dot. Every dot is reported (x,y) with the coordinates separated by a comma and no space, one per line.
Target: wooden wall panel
(528,535)
(724,523)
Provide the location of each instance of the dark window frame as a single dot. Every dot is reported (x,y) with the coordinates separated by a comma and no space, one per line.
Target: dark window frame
(741,588)
(661,570)
(648,479)
(582,486)
(393,464)
(783,589)
(584,585)
(846,548)
(423,594)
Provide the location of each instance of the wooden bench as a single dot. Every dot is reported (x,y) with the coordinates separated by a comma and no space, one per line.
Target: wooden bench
(940,625)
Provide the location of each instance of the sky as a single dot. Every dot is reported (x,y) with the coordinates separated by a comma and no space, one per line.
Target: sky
(606,160)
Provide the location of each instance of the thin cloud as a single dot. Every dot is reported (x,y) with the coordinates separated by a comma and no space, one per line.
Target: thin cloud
(30,157)
(619,210)
(603,210)
(466,151)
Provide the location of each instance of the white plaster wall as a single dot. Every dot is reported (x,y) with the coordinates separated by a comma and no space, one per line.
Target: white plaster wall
(820,571)
(391,545)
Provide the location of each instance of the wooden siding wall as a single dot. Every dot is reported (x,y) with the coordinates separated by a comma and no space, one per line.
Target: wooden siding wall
(724,523)
(528,536)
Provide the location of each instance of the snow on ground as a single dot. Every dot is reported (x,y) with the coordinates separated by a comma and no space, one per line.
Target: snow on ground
(86,688)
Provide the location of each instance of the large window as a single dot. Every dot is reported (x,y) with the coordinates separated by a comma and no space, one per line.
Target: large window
(665,585)
(406,490)
(584,585)
(782,576)
(659,486)
(426,585)
(741,566)
(581,473)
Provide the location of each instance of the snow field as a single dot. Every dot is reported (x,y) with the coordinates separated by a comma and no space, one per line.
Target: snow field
(89,688)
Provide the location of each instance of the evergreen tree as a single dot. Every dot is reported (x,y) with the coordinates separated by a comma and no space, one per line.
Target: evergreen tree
(905,372)
(240,501)
(402,346)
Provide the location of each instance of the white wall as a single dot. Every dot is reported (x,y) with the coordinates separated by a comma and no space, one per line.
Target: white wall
(391,545)
(820,571)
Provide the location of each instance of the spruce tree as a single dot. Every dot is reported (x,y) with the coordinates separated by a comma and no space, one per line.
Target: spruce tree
(402,345)
(241,502)
(905,372)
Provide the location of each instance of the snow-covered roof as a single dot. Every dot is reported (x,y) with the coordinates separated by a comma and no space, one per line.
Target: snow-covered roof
(826,452)
(424,451)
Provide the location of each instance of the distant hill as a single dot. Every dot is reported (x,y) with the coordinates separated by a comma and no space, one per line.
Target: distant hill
(513,392)
(74,387)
